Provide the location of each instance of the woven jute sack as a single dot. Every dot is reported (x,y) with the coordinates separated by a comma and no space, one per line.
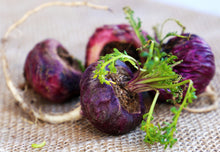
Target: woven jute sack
(73,26)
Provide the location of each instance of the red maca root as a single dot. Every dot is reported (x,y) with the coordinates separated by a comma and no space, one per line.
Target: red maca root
(107,37)
(52,72)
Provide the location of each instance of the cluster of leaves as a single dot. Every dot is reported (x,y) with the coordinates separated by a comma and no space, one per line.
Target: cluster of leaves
(136,25)
(164,133)
(160,75)
(156,73)
(107,63)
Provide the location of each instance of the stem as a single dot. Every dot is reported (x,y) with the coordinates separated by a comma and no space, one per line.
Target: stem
(212,97)
(49,4)
(152,106)
(150,80)
(146,84)
(170,86)
(184,104)
(150,113)
(151,50)
(159,74)
(115,59)
(134,25)
(165,135)
(163,24)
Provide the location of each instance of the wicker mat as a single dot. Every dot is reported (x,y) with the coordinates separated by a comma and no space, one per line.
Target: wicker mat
(72,27)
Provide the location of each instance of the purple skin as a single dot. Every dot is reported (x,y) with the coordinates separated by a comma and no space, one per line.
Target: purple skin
(52,72)
(198,61)
(102,107)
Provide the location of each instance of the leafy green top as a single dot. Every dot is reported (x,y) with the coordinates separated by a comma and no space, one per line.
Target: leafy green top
(136,25)
(109,60)
(156,73)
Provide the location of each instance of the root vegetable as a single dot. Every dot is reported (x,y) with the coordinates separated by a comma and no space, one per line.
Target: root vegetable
(111,108)
(37,114)
(156,73)
(198,62)
(107,37)
(52,72)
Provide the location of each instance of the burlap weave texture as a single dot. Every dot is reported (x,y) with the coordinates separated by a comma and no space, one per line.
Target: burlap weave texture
(72,27)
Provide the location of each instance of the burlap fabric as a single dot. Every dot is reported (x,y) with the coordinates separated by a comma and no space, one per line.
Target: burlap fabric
(72,27)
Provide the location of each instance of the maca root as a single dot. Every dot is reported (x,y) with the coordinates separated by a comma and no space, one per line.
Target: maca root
(16,92)
(130,49)
(69,59)
(128,100)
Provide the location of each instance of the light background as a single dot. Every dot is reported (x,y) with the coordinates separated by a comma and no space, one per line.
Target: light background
(72,27)
(206,6)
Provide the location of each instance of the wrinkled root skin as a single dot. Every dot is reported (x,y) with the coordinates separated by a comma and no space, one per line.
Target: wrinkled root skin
(198,61)
(49,74)
(102,108)
(122,33)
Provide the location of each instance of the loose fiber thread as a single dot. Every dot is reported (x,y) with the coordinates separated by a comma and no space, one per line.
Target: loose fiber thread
(75,114)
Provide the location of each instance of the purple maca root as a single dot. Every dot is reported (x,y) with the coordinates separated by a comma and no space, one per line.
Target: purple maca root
(111,108)
(198,60)
(107,37)
(198,63)
(52,72)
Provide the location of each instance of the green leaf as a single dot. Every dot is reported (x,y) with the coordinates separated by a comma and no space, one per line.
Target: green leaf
(135,24)
(156,73)
(38,145)
(144,54)
(107,65)
(173,110)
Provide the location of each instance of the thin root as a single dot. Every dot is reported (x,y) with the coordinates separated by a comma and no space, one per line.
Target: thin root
(49,4)
(73,115)
(213,99)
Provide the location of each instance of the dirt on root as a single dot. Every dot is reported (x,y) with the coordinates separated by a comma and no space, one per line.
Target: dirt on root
(128,100)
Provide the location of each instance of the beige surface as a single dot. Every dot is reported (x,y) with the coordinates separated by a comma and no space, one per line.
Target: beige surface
(72,27)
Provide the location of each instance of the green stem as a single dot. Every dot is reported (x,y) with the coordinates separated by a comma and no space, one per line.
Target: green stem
(170,86)
(116,58)
(150,113)
(163,24)
(177,114)
(141,85)
(149,80)
(151,50)
(134,25)
(184,103)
